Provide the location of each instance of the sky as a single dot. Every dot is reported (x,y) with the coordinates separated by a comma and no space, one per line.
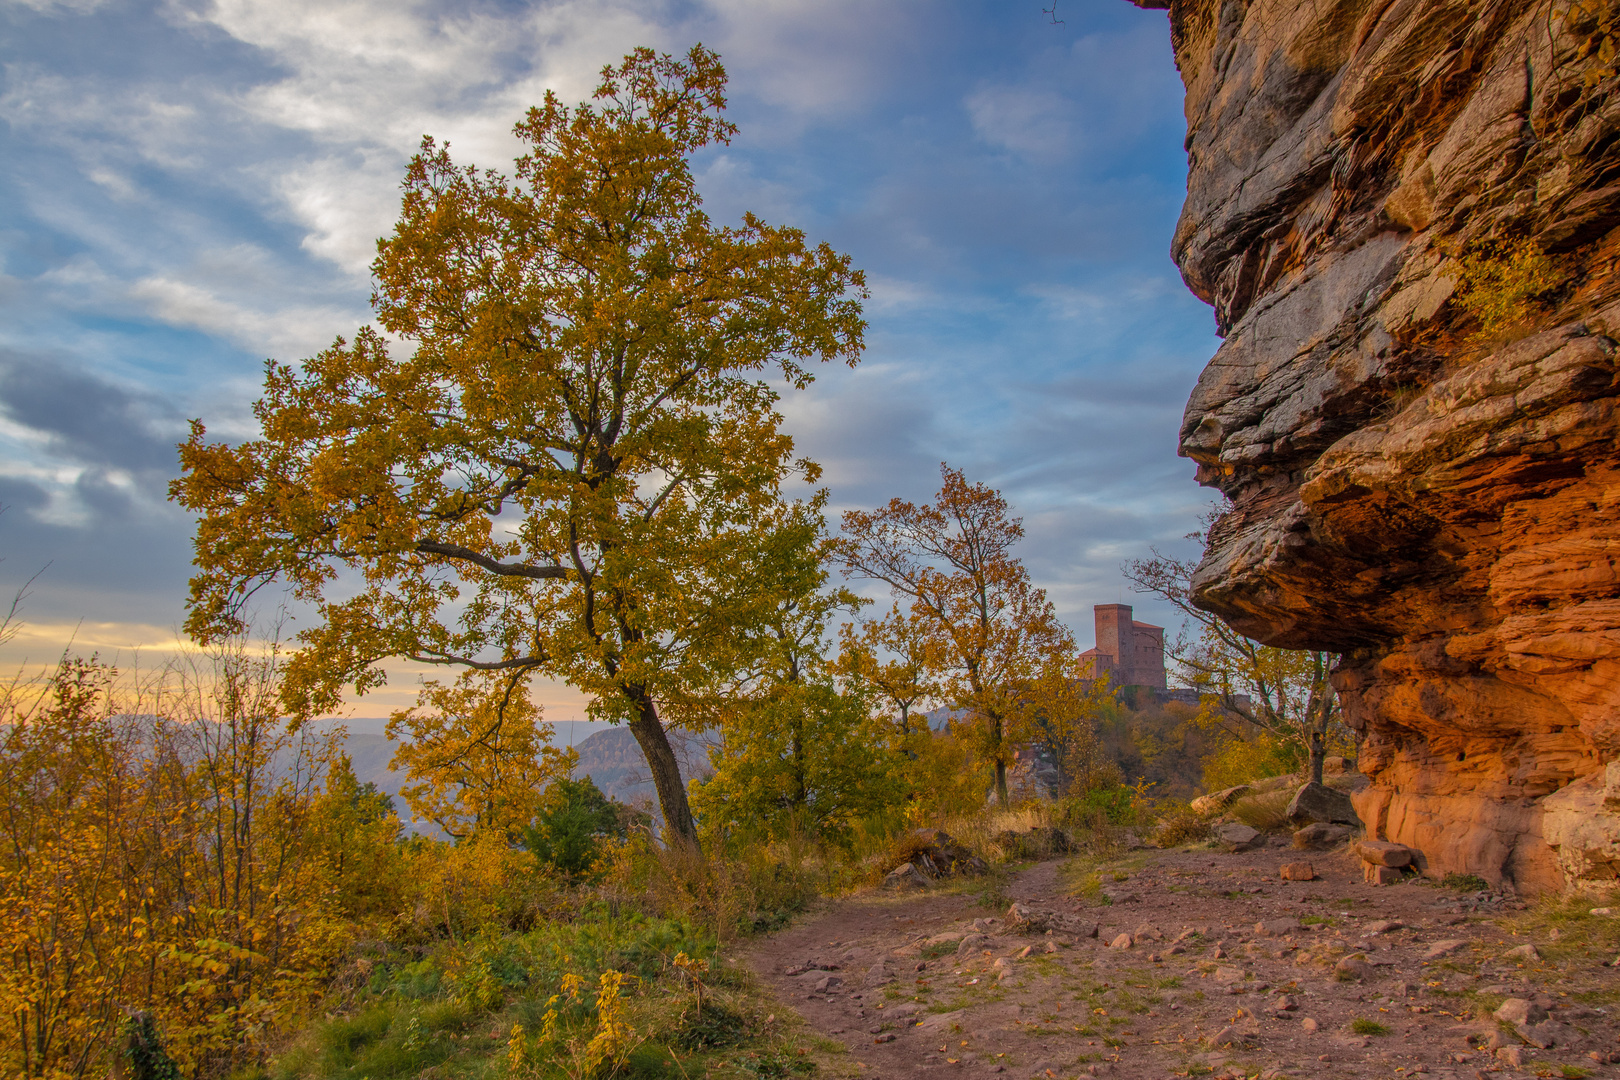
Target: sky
(189,187)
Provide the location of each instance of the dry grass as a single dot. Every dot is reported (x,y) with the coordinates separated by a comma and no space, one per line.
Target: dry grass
(1267,812)
(978,832)
(1181,826)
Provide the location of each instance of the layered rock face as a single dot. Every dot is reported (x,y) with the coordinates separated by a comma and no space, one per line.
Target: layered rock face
(1401,211)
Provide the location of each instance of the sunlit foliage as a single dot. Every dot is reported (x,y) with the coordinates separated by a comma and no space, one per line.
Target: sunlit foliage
(573,464)
(989,638)
(170,854)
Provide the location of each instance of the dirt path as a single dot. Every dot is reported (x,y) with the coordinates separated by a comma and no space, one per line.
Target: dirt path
(927,983)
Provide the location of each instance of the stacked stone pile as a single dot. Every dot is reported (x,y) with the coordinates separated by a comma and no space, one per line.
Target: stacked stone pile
(1385,863)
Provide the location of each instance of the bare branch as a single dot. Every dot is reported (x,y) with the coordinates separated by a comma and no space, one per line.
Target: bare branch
(466,554)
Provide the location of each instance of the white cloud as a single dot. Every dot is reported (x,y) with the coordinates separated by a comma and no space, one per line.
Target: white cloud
(366,79)
(815,58)
(284,332)
(1037,124)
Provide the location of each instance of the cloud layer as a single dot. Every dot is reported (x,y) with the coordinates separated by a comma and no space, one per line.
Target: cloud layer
(191,186)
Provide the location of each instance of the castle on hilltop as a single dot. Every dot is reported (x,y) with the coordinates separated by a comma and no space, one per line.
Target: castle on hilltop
(1130,653)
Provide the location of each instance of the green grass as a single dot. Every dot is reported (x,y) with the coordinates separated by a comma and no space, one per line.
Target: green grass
(1465,883)
(449,1011)
(1363,1026)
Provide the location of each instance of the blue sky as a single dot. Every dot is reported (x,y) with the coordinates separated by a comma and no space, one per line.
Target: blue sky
(188,187)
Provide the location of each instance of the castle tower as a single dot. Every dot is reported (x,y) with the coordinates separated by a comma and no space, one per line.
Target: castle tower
(1114,639)
(1135,650)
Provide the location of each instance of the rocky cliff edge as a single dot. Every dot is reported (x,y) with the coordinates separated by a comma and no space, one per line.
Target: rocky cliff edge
(1405,213)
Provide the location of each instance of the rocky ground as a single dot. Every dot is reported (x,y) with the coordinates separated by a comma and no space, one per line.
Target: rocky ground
(1202,963)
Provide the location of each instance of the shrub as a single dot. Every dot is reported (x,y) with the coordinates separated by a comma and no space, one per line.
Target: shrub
(480,884)
(1240,761)
(1179,825)
(573,822)
(1501,279)
(1465,883)
(1115,804)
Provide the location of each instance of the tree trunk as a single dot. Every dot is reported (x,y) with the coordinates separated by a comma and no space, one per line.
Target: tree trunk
(666,771)
(1318,756)
(1001,783)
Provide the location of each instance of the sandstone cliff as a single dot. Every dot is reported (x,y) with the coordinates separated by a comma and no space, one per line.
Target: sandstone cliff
(1404,214)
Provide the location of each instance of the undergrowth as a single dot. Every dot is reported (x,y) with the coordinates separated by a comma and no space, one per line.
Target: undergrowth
(624,973)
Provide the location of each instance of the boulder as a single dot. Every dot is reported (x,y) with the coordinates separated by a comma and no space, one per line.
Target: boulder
(1384,853)
(1526,952)
(1543,1036)
(1374,874)
(1238,837)
(1322,835)
(1297,871)
(1277,927)
(1520,1012)
(971,944)
(1443,948)
(1214,803)
(905,876)
(1315,802)
(1354,967)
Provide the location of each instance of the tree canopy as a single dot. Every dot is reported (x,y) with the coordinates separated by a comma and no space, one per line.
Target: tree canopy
(573,465)
(990,639)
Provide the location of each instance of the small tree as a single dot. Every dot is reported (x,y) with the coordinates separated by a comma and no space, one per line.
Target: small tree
(799,752)
(1287,690)
(576,467)
(574,819)
(988,633)
(476,754)
(1060,709)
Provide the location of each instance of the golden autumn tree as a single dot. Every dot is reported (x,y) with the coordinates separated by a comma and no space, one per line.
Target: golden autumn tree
(573,465)
(1059,710)
(890,657)
(478,758)
(988,632)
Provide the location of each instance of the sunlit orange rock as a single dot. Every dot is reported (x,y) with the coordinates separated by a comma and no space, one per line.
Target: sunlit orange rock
(1433,493)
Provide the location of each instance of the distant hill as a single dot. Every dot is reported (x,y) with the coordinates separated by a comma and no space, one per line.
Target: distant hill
(611,758)
(613,761)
